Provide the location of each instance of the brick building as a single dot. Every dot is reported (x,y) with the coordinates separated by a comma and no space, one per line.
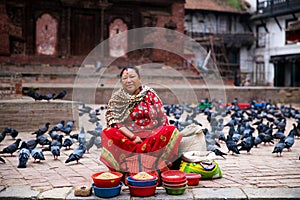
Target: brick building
(63,32)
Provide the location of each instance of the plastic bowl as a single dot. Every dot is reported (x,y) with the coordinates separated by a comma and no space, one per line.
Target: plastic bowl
(175,191)
(107,192)
(107,183)
(193,178)
(173,176)
(142,191)
(175,185)
(141,183)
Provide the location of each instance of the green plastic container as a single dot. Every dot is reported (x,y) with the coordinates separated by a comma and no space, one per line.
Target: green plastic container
(175,191)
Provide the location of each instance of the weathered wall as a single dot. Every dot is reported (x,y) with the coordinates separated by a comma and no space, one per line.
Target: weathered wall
(25,115)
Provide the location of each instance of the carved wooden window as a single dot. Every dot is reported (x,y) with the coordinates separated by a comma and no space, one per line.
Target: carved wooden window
(46,35)
(118,43)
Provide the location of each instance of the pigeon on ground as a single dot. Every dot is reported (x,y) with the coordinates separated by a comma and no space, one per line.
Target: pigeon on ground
(290,139)
(31,144)
(246,144)
(61,95)
(68,142)
(2,135)
(37,155)
(24,155)
(231,145)
(90,143)
(77,154)
(43,140)
(42,130)
(84,109)
(58,126)
(12,147)
(278,148)
(218,152)
(13,133)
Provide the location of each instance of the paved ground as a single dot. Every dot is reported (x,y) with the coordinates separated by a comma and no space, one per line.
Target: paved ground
(258,175)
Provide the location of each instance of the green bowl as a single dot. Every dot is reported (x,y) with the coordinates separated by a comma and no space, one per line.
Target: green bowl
(175,191)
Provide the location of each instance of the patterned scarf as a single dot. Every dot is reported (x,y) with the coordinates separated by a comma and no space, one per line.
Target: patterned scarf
(121,104)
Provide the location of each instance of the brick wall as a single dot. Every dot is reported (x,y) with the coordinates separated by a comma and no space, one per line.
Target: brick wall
(27,115)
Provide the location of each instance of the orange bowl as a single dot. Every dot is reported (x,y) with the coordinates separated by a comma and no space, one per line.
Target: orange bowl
(106,183)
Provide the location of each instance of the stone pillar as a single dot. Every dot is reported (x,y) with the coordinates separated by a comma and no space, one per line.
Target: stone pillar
(4,31)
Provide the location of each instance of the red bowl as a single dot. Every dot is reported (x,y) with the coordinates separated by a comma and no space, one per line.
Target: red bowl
(193,179)
(139,191)
(173,176)
(175,185)
(106,183)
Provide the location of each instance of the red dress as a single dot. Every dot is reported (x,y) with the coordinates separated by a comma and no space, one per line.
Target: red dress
(148,121)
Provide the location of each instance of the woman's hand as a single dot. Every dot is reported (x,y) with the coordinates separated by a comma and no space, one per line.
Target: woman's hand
(137,140)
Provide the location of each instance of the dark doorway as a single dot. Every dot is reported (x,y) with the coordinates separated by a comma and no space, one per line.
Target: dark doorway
(83,36)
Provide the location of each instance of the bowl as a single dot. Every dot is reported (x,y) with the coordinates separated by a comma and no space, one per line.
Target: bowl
(173,176)
(106,183)
(175,185)
(141,183)
(107,192)
(138,191)
(175,191)
(193,178)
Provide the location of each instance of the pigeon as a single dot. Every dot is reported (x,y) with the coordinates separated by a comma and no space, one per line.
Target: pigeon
(24,155)
(85,109)
(48,97)
(68,142)
(2,160)
(278,148)
(231,145)
(54,135)
(61,95)
(43,140)
(66,130)
(37,155)
(55,147)
(77,154)
(2,135)
(13,133)
(12,147)
(218,152)
(35,95)
(290,140)
(90,143)
(31,144)
(70,123)
(246,144)
(58,126)
(42,130)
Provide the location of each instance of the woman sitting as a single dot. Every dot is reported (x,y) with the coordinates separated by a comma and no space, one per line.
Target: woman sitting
(137,128)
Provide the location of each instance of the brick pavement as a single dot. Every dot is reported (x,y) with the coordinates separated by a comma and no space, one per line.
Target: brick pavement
(258,170)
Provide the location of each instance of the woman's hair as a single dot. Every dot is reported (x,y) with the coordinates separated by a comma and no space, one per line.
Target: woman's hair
(130,67)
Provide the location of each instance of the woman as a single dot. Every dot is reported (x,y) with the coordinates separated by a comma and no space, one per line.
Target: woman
(137,125)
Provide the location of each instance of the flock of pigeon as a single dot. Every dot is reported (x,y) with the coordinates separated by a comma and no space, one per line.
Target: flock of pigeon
(54,139)
(51,96)
(247,128)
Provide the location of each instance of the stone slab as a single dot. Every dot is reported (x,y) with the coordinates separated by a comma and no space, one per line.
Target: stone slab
(56,193)
(272,193)
(218,193)
(18,192)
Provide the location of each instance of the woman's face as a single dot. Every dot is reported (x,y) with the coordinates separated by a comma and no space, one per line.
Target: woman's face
(130,80)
